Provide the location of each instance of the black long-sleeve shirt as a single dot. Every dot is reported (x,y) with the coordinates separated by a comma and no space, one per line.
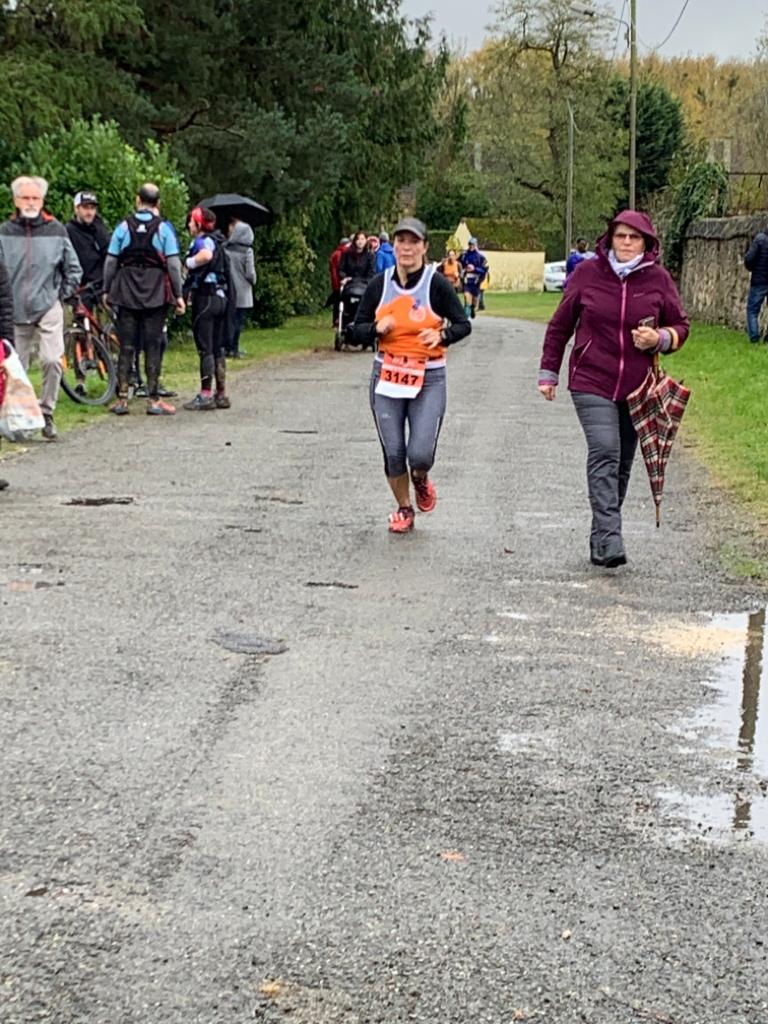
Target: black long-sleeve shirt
(90,242)
(6,306)
(357,264)
(442,298)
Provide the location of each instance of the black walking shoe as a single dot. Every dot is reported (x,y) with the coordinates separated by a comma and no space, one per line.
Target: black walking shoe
(611,562)
(141,391)
(50,433)
(4,485)
(201,404)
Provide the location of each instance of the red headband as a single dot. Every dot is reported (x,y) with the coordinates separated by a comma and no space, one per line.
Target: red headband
(203,218)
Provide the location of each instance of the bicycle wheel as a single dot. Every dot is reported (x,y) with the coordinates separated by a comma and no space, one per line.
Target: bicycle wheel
(110,338)
(88,375)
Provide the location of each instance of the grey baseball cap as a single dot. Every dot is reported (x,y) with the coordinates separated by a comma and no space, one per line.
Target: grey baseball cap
(414,225)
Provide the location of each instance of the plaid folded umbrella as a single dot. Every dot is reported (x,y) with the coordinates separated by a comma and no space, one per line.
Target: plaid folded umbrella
(656,408)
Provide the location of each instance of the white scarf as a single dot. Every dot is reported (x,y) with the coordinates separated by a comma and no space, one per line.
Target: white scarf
(622,269)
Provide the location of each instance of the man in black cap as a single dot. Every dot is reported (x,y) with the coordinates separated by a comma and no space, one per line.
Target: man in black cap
(89,235)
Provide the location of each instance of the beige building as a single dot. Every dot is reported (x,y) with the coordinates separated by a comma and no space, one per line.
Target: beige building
(508,271)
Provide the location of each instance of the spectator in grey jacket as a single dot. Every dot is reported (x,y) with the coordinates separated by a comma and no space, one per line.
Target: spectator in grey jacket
(43,269)
(239,247)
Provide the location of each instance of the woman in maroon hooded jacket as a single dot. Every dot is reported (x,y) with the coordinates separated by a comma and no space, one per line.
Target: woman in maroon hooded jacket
(621,308)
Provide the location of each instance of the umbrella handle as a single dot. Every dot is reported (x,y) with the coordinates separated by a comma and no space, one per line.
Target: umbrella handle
(656,365)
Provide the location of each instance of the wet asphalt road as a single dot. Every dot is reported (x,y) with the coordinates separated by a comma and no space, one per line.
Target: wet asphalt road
(441,804)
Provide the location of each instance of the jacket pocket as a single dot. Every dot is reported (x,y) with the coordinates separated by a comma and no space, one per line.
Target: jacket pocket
(577,358)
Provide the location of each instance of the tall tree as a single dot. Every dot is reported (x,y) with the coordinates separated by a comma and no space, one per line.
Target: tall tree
(544,57)
(52,66)
(660,133)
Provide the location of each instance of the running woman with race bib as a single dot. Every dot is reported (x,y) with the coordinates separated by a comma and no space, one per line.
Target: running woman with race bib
(413,314)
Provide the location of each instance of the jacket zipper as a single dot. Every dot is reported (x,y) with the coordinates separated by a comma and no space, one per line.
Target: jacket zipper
(28,267)
(621,338)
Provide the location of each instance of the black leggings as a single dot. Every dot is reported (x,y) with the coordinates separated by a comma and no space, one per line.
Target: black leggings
(209,312)
(137,327)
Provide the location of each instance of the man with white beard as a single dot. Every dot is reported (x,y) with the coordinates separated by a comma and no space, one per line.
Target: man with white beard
(43,269)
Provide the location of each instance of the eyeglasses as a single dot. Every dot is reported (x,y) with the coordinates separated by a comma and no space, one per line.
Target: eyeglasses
(628,236)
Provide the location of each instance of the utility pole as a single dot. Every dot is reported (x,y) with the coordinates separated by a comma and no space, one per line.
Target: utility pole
(632,103)
(569,193)
(632,27)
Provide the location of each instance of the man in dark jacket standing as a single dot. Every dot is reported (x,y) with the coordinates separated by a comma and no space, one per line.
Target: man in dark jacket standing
(756,261)
(89,235)
(6,331)
(43,269)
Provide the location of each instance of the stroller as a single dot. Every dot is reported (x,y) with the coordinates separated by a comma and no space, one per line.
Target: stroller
(349,300)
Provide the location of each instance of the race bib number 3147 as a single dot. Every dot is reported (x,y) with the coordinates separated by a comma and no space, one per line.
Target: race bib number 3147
(401,377)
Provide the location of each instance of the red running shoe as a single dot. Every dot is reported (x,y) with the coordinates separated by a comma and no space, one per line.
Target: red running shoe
(402,520)
(426,495)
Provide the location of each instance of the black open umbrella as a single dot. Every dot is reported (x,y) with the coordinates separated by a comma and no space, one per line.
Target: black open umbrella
(227,205)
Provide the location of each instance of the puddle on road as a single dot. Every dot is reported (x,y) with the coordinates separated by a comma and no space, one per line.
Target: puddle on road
(736,721)
(735,724)
(718,816)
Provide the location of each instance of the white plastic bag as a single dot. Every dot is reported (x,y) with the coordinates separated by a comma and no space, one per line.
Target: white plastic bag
(20,414)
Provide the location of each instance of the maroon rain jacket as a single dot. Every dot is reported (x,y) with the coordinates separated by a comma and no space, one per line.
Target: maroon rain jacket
(602,310)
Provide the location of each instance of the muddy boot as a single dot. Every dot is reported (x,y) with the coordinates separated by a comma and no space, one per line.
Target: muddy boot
(222,402)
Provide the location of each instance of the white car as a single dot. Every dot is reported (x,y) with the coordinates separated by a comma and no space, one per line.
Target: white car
(554,276)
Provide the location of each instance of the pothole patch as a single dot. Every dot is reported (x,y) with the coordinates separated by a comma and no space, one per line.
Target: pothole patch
(249,643)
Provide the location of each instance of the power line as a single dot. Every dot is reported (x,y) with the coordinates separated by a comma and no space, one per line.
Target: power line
(618,30)
(672,30)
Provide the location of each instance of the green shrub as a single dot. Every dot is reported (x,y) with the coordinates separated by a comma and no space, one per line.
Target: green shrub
(93,155)
(511,235)
(284,282)
(703,192)
(443,199)
(438,244)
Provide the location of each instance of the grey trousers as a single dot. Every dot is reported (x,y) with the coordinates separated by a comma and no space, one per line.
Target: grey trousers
(611,444)
(48,334)
(424,416)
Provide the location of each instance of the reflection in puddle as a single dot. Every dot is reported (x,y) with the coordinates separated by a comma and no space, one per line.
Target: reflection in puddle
(734,724)
(715,817)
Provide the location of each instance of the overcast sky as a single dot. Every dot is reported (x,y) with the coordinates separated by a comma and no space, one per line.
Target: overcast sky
(727,28)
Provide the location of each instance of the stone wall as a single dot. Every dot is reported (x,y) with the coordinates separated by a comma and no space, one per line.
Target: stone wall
(714,282)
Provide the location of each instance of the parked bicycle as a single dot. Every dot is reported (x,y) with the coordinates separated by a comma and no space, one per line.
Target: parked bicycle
(91,347)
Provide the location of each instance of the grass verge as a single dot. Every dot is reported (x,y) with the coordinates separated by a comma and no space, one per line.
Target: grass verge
(536,306)
(726,424)
(180,365)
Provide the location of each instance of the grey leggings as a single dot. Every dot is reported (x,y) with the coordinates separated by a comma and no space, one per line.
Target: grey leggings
(424,415)
(611,443)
